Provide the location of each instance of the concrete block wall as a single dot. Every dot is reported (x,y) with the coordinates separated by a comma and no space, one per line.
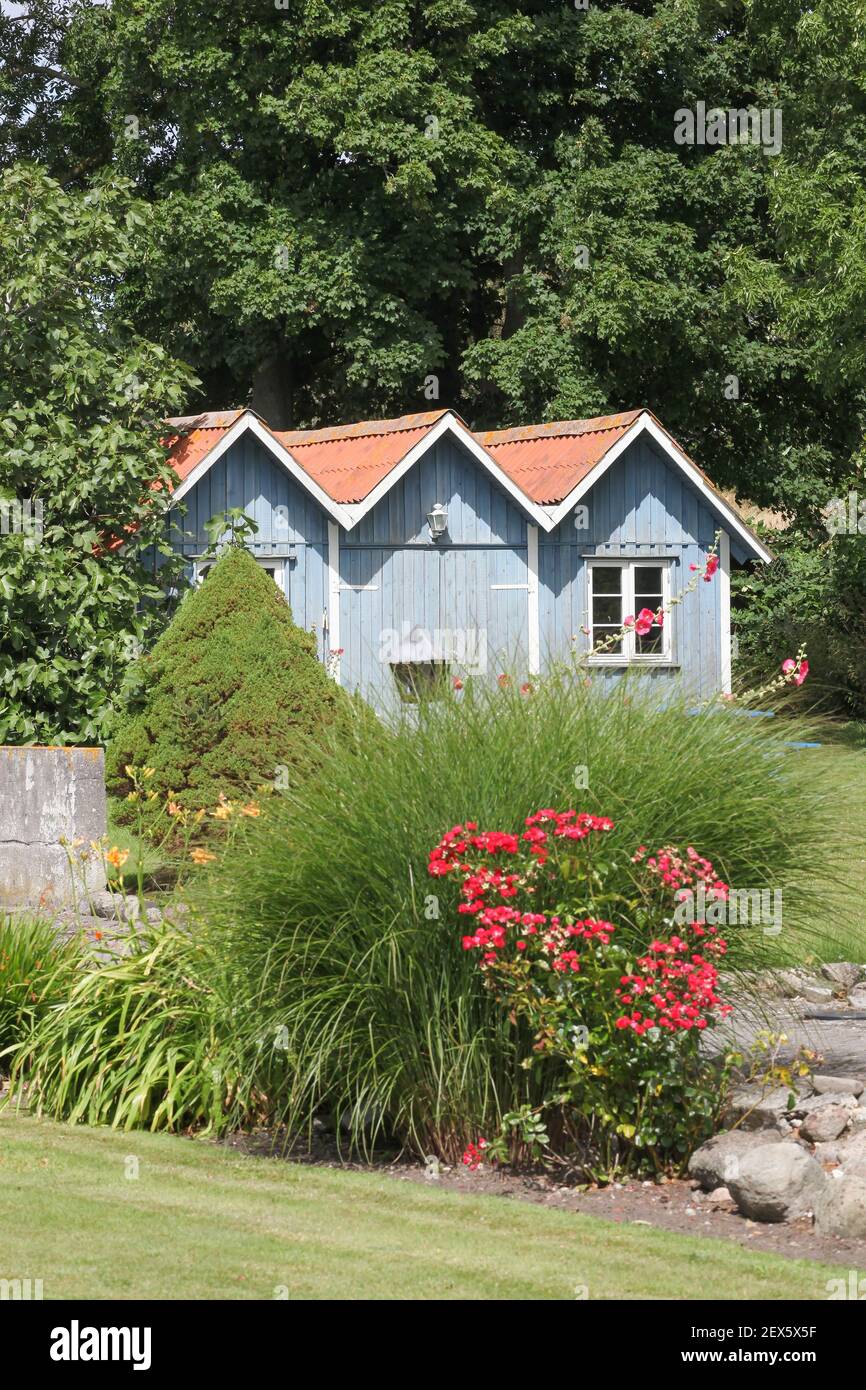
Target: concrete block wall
(48,795)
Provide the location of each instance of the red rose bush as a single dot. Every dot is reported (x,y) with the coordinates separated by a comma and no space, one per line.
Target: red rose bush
(610,985)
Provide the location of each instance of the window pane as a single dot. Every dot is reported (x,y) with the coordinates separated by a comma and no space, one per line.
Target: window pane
(650,644)
(606,579)
(648,580)
(607,610)
(601,633)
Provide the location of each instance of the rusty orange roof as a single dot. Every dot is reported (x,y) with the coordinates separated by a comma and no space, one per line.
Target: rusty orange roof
(193,436)
(544,462)
(348,461)
(548,461)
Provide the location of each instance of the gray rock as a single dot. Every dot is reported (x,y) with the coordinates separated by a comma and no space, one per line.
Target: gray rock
(719,1197)
(792,983)
(119,907)
(817,994)
(848,1085)
(852,1154)
(840,1209)
(825,1124)
(858,1119)
(827,1152)
(857,997)
(714,1163)
(776,1182)
(809,1104)
(759,1108)
(843,973)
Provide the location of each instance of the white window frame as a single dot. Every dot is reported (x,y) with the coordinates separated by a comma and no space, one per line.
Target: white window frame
(201,562)
(629,656)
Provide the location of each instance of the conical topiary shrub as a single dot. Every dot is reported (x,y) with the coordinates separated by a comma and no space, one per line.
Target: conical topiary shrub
(231,692)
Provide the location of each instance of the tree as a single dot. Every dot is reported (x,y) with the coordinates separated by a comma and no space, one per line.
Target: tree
(82,468)
(231,696)
(362,207)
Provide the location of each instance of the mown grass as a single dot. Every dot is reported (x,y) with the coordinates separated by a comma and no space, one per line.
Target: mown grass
(200,1222)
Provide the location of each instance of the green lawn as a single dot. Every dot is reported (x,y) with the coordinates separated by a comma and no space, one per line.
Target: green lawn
(200,1222)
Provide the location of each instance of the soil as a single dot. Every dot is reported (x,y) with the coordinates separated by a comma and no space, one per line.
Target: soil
(672,1205)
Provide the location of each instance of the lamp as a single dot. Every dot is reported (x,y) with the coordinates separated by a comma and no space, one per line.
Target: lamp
(437,519)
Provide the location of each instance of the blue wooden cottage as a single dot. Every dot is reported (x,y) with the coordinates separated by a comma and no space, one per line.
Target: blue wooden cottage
(414,547)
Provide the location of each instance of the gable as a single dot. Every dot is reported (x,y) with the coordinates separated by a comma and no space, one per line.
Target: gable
(480,511)
(642,500)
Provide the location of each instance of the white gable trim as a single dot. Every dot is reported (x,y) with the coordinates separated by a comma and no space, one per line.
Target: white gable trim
(646,424)
(254,425)
(725,609)
(449,424)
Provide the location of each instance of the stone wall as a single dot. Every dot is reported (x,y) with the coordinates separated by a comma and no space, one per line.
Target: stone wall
(48,795)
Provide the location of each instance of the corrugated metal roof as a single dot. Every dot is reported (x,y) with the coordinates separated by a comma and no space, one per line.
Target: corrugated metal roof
(548,461)
(348,461)
(193,437)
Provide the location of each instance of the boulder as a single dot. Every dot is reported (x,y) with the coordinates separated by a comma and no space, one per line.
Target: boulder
(857,997)
(776,1182)
(852,1154)
(840,1208)
(848,1085)
(714,1163)
(858,1119)
(807,1105)
(844,974)
(761,1109)
(825,1124)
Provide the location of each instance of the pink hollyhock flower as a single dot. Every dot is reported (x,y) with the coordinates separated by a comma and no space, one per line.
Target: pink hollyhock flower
(504,679)
(643,622)
(457,683)
(712,566)
(796,673)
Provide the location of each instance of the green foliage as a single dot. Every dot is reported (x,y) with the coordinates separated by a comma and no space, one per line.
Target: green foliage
(131,1043)
(325,917)
(814,592)
(231,692)
(81,396)
(378,193)
(29,956)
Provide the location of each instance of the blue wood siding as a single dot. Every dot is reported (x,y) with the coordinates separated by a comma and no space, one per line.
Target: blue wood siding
(467,594)
(288,519)
(434,599)
(641,506)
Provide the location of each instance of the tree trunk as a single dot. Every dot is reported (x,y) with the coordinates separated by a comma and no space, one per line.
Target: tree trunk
(272,391)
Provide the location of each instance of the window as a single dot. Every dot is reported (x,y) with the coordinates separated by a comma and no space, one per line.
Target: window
(619,589)
(273,567)
(420,680)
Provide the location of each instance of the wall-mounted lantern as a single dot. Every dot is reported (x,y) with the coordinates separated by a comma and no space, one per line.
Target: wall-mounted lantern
(437,520)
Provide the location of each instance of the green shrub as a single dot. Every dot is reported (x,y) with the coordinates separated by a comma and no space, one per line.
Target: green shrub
(324,914)
(231,691)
